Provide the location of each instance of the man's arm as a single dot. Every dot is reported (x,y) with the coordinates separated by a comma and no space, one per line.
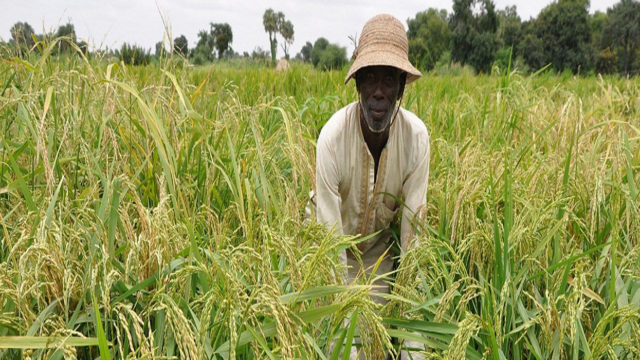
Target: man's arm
(414,193)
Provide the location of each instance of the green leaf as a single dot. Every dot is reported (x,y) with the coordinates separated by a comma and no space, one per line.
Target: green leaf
(313,293)
(352,328)
(103,344)
(44,342)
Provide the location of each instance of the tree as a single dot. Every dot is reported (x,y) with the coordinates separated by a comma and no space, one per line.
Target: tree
(563,28)
(286,30)
(429,37)
(474,33)
(203,52)
(532,51)
(318,47)
(160,50)
(68,31)
(510,28)
(181,45)
(133,55)
(462,29)
(597,23)
(274,24)
(623,32)
(222,36)
(601,55)
(259,54)
(271,21)
(22,37)
(325,55)
(305,52)
(332,57)
(484,51)
(606,61)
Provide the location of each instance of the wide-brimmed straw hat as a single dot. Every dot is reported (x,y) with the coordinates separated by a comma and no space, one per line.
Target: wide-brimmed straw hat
(383,42)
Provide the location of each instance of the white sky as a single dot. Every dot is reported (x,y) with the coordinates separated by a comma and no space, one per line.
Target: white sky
(105,23)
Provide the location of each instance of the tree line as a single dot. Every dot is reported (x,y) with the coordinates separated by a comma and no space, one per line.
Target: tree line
(24,38)
(564,37)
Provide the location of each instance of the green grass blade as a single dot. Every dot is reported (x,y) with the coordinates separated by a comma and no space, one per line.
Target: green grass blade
(352,328)
(103,343)
(44,342)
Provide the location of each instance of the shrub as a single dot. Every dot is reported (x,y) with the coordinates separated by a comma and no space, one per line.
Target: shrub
(134,55)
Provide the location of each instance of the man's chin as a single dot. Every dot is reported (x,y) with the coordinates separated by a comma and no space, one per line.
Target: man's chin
(377,126)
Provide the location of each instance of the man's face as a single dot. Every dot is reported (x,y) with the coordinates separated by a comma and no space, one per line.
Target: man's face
(379,89)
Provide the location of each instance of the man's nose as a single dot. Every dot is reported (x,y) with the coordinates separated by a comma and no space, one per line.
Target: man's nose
(378,93)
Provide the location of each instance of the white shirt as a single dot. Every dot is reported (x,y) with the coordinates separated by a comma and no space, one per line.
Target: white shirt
(348,197)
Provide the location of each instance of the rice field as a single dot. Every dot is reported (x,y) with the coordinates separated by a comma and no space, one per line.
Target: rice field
(157,212)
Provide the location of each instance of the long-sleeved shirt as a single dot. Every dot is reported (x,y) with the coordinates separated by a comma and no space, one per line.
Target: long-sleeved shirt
(349,197)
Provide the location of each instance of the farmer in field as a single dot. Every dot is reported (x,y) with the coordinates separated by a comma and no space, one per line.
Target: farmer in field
(372,158)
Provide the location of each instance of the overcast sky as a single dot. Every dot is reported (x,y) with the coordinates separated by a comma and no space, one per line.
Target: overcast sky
(105,23)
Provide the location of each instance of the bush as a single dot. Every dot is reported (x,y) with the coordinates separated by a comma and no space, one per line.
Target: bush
(316,51)
(134,55)
(446,67)
(503,60)
(332,57)
(325,55)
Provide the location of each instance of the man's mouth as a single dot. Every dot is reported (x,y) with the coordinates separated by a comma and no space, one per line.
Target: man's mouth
(378,113)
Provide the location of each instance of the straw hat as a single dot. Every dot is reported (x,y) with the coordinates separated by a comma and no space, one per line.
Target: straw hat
(383,42)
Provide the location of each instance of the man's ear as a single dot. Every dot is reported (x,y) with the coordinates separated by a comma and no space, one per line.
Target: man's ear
(403,81)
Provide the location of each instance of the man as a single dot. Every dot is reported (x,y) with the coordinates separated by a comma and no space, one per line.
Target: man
(372,153)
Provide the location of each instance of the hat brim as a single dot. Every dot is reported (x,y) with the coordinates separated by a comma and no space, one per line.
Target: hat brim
(383,59)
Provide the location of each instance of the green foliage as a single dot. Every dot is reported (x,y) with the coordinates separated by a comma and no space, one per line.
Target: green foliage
(286,30)
(429,37)
(261,55)
(563,29)
(305,52)
(484,51)
(504,59)
(474,39)
(134,54)
(447,67)
(160,49)
(597,23)
(332,57)
(532,50)
(181,45)
(510,28)
(222,36)
(622,32)
(270,21)
(203,52)
(606,61)
(318,47)
(274,24)
(21,37)
(326,56)
(68,31)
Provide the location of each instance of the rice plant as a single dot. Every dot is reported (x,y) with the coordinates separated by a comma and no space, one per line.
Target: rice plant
(158,212)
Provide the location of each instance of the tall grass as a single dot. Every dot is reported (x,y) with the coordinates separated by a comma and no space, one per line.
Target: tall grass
(158,211)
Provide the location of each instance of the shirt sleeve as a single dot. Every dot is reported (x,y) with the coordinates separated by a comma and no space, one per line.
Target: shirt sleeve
(414,192)
(327,182)
(328,198)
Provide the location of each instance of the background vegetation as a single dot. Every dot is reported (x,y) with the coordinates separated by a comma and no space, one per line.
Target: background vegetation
(476,35)
(157,211)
